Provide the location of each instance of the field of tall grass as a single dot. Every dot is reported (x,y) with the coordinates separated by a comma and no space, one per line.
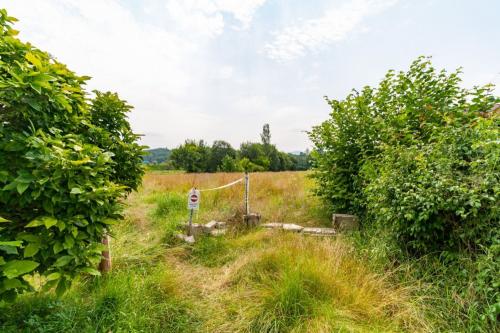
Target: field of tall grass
(246,281)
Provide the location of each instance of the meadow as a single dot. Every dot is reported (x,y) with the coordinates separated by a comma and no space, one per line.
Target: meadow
(245,281)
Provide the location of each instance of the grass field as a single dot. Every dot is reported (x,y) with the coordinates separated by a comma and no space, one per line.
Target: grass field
(245,281)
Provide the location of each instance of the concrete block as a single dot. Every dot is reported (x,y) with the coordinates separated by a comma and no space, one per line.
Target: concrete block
(218,232)
(273,225)
(345,222)
(210,226)
(221,225)
(319,231)
(292,227)
(187,239)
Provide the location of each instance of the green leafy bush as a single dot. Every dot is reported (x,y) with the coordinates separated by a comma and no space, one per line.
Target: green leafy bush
(419,154)
(441,195)
(64,167)
(417,157)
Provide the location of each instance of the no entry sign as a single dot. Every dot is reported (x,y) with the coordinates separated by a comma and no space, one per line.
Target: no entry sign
(194,199)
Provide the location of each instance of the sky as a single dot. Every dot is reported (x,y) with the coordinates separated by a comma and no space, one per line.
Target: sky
(221,69)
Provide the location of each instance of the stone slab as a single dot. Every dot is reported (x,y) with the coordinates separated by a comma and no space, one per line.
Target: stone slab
(218,232)
(345,222)
(319,231)
(208,227)
(221,225)
(273,225)
(187,239)
(292,227)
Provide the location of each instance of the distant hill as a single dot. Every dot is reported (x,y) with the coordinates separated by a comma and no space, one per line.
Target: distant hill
(156,155)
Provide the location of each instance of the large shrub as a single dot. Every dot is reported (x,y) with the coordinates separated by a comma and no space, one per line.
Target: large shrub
(64,167)
(192,156)
(419,154)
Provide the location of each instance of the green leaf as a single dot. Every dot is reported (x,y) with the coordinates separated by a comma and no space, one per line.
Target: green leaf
(37,87)
(58,247)
(76,190)
(91,271)
(2,220)
(35,223)
(10,186)
(49,221)
(4,175)
(44,78)
(8,249)
(30,238)
(62,286)
(69,242)
(35,105)
(110,221)
(48,206)
(12,243)
(63,261)
(12,284)
(31,249)
(21,187)
(2,261)
(16,268)
(53,276)
(33,59)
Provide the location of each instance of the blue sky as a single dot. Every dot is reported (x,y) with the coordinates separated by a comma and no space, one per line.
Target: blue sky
(220,69)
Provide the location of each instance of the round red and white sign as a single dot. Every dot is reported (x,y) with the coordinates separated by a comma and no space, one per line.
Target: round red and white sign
(194,199)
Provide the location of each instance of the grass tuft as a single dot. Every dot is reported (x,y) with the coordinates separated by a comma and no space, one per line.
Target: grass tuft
(296,283)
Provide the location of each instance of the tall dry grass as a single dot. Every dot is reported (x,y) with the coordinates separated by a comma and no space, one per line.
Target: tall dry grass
(292,283)
(258,281)
(277,196)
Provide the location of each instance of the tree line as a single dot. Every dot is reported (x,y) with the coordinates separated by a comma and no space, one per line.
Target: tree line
(198,156)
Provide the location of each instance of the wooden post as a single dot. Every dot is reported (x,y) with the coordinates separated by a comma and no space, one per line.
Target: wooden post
(190,226)
(247,189)
(105,264)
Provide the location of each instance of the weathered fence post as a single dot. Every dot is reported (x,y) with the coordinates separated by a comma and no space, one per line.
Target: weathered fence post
(250,220)
(105,264)
(247,184)
(190,226)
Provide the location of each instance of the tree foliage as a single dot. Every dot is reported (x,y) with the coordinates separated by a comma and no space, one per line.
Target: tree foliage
(65,164)
(192,156)
(220,150)
(418,153)
(196,156)
(418,156)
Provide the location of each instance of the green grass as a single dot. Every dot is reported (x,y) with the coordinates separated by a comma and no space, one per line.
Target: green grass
(212,251)
(257,280)
(125,301)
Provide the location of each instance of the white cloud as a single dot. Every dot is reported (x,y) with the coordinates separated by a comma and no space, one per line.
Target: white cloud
(196,18)
(242,10)
(296,40)
(205,17)
(225,72)
(155,68)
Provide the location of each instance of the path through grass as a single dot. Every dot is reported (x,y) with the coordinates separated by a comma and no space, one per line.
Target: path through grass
(257,281)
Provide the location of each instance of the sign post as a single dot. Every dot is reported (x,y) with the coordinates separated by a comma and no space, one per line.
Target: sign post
(193,203)
(247,189)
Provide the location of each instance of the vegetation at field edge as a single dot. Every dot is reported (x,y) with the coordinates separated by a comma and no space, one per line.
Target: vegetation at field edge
(264,281)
